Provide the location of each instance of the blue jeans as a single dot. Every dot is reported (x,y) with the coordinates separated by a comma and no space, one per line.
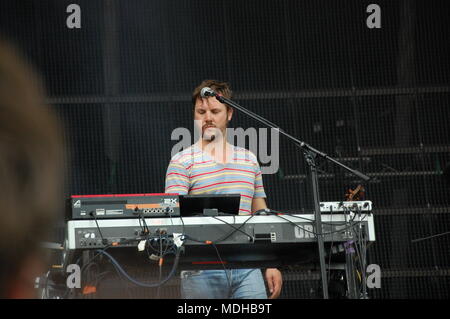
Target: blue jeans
(223,284)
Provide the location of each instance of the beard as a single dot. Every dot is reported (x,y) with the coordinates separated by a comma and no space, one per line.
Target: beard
(210,134)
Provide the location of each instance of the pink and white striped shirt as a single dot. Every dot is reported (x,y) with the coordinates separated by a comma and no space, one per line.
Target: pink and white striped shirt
(193,171)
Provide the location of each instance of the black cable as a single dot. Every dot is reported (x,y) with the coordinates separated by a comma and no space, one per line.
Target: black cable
(361,240)
(223,265)
(142,284)
(358,254)
(204,241)
(92,213)
(361,244)
(182,222)
(354,224)
(235,229)
(115,264)
(123,282)
(87,271)
(297,225)
(429,237)
(279,214)
(161,240)
(160,264)
(46,285)
(145,233)
(312,232)
(276,213)
(224,237)
(160,243)
(90,276)
(331,252)
(348,249)
(355,243)
(359,259)
(92,259)
(144,229)
(232,226)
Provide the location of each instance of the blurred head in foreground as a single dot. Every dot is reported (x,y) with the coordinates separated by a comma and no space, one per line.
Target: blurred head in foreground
(30,175)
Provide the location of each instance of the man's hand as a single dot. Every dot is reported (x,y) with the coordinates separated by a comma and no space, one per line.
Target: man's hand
(274,281)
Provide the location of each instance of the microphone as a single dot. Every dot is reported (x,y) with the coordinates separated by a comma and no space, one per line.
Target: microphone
(207,92)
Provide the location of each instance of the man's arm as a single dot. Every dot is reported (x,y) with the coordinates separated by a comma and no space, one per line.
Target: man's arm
(258,203)
(273,275)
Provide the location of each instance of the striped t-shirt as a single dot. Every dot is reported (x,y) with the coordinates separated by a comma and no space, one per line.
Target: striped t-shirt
(193,171)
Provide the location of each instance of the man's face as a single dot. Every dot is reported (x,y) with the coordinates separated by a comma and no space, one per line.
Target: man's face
(212,116)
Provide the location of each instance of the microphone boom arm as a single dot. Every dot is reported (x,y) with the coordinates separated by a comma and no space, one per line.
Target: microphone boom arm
(310,155)
(296,141)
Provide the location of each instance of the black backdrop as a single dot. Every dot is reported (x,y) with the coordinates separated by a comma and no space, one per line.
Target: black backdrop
(376,99)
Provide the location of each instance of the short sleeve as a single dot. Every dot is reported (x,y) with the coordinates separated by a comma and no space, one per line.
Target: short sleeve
(177,179)
(259,187)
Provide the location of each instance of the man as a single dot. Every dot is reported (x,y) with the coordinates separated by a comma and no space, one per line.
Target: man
(213,166)
(30,176)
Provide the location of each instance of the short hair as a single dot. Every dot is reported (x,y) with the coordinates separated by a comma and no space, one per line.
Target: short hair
(31,160)
(222,88)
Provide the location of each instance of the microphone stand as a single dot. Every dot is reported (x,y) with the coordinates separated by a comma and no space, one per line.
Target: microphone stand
(310,154)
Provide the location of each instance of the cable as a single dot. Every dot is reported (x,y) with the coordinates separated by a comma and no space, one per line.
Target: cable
(90,277)
(223,265)
(236,229)
(351,224)
(331,252)
(297,225)
(127,288)
(116,265)
(224,237)
(362,243)
(312,232)
(277,213)
(46,285)
(142,284)
(429,237)
(160,262)
(144,227)
(93,214)
(360,249)
(213,243)
(92,259)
